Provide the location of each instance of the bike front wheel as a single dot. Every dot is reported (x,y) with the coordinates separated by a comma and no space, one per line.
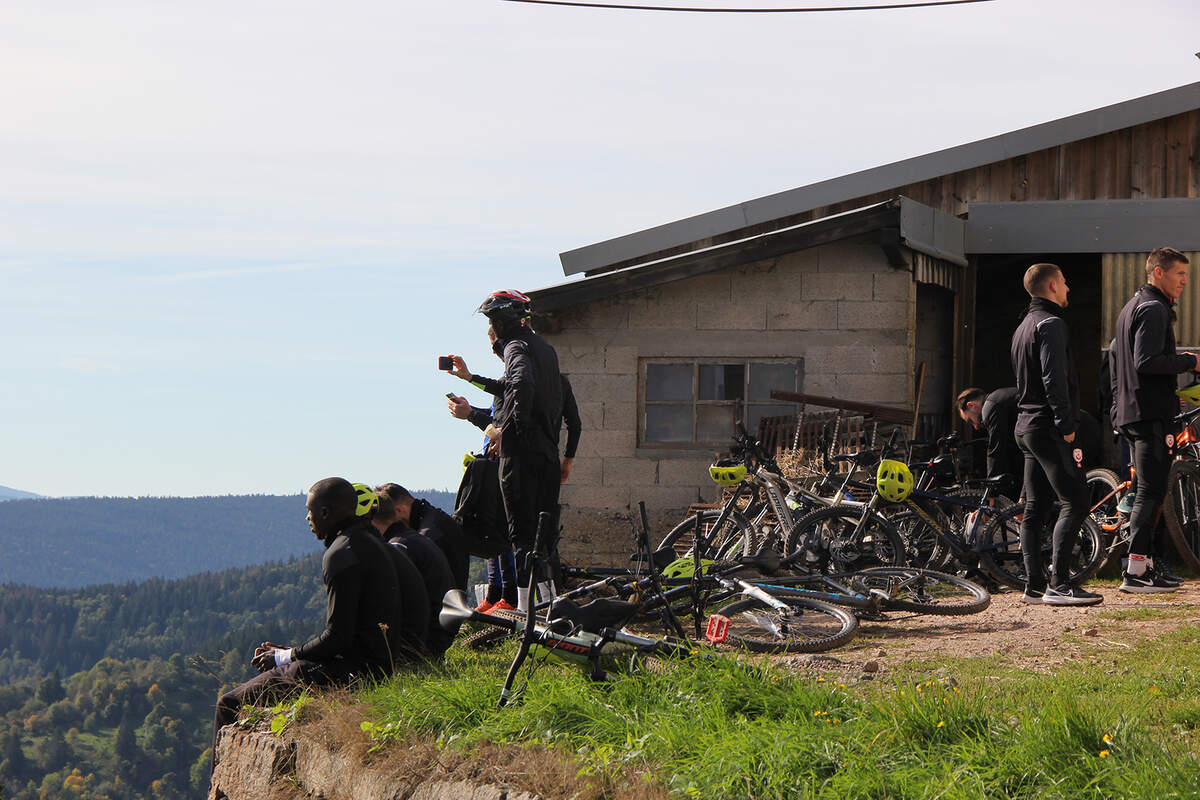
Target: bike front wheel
(1181,510)
(924,591)
(806,626)
(837,540)
(1001,554)
(735,535)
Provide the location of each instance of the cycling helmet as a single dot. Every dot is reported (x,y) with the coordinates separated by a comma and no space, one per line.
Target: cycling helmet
(686,567)
(1191,394)
(727,472)
(894,480)
(506,304)
(368,501)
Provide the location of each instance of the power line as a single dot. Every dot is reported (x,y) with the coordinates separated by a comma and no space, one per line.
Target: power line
(809,9)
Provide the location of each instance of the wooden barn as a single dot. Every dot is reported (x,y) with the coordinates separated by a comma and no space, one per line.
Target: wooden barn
(846,287)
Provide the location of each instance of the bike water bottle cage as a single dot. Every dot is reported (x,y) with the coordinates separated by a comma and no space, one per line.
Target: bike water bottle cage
(368,501)
(894,480)
(1190,393)
(685,567)
(727,472)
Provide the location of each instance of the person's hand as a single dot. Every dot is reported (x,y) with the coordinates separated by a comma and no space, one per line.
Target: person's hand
(565,470)
(264,656)
(1070,437)
(1196,362)
(459,370)
(459,407)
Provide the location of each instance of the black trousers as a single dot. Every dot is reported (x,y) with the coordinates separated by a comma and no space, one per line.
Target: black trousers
(280,683)
(1051,470)
(1151,460)
(529,485)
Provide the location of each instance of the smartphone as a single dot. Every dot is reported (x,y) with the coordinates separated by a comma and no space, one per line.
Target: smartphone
(451,396)
(446,363)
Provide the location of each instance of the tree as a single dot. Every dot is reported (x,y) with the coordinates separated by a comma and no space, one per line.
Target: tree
(51,690)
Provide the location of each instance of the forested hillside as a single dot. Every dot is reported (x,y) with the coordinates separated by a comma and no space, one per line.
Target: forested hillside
(81,541)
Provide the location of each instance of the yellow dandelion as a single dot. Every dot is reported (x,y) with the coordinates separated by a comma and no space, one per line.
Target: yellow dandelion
(1107,739)
(836,720)
(946,700)
(902,693)
(841,686)
(1104,754)
(818,713)
(820,679)
(941,724)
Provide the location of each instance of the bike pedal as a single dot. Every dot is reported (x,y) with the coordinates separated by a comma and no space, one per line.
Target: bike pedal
(718,629)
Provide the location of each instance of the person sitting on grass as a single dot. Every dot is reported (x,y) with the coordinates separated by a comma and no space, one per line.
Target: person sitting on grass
(362,619)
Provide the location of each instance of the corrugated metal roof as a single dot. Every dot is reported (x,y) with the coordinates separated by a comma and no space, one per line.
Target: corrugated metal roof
(879,179)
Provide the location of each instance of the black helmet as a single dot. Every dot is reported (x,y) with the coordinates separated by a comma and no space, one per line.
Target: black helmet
(506,305)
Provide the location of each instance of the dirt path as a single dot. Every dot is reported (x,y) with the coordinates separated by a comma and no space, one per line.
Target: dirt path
(1035,637)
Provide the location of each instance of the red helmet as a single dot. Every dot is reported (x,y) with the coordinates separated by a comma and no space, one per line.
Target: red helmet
(505,305)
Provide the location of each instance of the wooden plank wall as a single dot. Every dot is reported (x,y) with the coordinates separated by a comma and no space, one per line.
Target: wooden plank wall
(1154,160)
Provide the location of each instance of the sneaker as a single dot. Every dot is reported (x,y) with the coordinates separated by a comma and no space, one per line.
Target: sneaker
(1147,583)
(504,605)
(1033,597)
(1167,576)
(1125,504)
(1070,596)
(484,607)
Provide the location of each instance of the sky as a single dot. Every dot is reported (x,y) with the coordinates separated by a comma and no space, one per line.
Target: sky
(235,237)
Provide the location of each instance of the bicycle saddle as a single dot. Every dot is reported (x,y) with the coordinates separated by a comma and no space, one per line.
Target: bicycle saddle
(994,482)
(600,613)
(864,458)
(659,559)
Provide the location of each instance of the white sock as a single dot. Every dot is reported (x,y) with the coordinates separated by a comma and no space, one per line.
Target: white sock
(1137,565)
(522,599)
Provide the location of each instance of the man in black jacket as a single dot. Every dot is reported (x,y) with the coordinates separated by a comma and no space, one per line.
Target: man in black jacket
(527,422)
(439,527)
(363,611)
(1046,428)
(995,412)
(1144,365)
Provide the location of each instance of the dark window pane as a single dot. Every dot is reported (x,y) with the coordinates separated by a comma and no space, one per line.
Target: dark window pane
(668,382)
(756,411)
(669,423)
(714,423)
(765,377)
(722,381)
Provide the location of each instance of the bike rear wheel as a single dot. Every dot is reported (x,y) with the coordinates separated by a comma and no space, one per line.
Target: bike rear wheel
(736,534)
(924,590)
(1181,510)
(1103,498)
(809,626)
(1002,559)
(828,535)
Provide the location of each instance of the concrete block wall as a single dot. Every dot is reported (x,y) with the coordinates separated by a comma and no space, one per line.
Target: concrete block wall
(840,307)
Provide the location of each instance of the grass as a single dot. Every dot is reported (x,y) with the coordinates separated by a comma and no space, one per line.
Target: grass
(1102,726)
(1145,612)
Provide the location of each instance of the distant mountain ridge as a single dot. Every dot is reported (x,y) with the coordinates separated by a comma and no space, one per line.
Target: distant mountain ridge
(9,493)
(73,542)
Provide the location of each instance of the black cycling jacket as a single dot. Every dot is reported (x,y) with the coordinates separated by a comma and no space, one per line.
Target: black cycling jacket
(1144,361)
(363,615)
(1047,386)
(999,418)
(482,417)
(530,413)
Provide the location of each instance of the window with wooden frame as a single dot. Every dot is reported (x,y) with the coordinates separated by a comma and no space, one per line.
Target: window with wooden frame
(697,401)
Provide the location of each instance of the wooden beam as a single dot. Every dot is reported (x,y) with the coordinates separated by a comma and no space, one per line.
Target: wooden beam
(892,414)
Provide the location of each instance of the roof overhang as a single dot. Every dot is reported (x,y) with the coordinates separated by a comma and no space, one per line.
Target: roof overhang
(913,224)
(731,219)
(1083,226)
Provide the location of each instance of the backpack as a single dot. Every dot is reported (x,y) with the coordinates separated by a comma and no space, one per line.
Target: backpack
(479,509)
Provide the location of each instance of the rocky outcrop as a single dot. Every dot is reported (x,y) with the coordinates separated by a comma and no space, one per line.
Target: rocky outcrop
(257,765)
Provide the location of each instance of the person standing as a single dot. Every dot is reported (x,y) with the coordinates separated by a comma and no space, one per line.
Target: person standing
(527,425)
(1046,429)
(1144,365)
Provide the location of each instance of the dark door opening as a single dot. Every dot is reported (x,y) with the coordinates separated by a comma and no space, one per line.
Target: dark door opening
(1000,302)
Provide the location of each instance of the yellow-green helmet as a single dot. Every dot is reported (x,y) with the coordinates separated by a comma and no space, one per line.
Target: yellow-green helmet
(368,501)
(1190,393)
(686,567)
(727,472)
(894,480)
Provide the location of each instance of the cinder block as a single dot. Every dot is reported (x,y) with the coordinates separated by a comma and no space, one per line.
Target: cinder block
(893,285)
(607,444)
(836,286)
(684,472)
(770,280)
(875,315)
(852,256)
(657,309)
(578,358)
(855,359)
(802,315)
(598,497)
(893,389)
(608,312)
(658,499)
(630,472)
(620,360)
(746,316)
(604,388)
(822,384)
(586,471)
(591,414)
(620,416)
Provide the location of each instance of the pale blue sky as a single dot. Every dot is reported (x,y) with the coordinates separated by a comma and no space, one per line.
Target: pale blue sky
(224,226)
